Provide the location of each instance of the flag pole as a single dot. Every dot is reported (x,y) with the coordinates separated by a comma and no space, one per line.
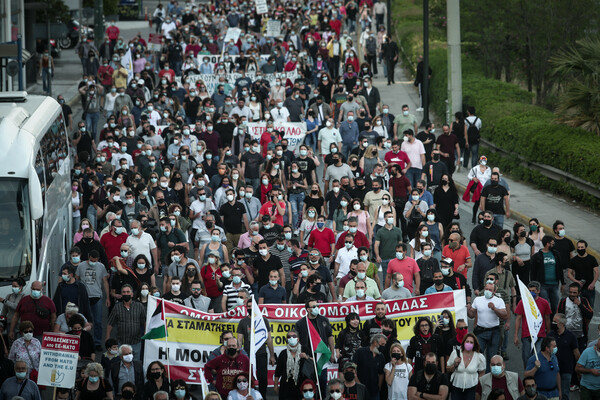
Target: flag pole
(162,304)
(252,344)
(313,353)
(535,351)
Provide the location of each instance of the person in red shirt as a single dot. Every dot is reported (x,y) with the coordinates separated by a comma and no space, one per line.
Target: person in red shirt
(113,240)
(407,266)
(459,253)
(168,73)
(274,208)
(222,370)
(105,73)
(397,156)
(268,136)
(336,25)
(360,239)
(322,239)
(113,32)
(521,323)
(27,311)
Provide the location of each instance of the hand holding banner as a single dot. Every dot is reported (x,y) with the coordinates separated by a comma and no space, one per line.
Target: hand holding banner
(533,317)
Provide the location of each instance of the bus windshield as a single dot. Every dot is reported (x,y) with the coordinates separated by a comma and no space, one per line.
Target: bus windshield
(15,230)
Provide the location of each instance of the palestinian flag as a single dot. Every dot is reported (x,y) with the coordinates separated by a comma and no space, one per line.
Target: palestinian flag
(318,346)
(156,328)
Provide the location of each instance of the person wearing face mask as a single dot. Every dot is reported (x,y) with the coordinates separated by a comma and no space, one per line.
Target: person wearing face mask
(349,340)
(488,310)
(167,240)
(579,311)
(197,300)
(128,317)
(466,366)
(112,241)
(327,137)
(10,302)
(175,294)
(222,370)
(543,264)
(427,382)
(455,280)
(478,177)
(563,245)
(180,263)
(544,368)
(438,284)
(27,348)
(37,308)
(111,355)
(521,332)
(407,266)
(156,380)
(404,122)
(396,289)
(369,364)
(243,389)
(287,373)
(231,292)
(567,353)
(500,378)
(496,199)
(71,290)
(351,387)
(483,233)
(18,385)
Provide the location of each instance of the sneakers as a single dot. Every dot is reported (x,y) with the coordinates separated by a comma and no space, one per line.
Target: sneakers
(574,388)
(420,109)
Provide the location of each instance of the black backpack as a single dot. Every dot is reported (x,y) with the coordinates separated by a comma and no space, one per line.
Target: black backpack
(371,46)
(472,131)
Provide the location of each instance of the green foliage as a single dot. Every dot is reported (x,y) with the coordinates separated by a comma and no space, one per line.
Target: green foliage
(110,7)
(56,11)
(578,66)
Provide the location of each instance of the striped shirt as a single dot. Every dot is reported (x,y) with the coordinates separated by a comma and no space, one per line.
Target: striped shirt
(232,294)
(129,323)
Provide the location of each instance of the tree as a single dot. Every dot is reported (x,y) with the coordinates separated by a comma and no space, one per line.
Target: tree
(578,67)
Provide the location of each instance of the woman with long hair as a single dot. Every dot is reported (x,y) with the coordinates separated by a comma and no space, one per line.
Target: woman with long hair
(349,339)
(466,365)
(422,342)
(287,373)
(445,199)
(397,373)
(369,160)
(522,248)
(156,379)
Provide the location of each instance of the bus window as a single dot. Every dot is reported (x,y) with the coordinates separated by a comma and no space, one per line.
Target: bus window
(15,229)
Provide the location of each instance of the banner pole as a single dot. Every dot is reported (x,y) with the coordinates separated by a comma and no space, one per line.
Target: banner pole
(162,304)
(313,353)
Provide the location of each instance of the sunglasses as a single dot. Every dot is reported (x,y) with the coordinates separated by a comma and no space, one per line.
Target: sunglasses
(241,380)
(28,331)
(307,390)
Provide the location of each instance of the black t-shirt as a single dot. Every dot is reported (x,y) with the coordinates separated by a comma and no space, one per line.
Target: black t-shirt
(253,162)
(233,217)
(179,298)
(369,369)
(480,236)
(317,203)
(306,166)
(319,296)
(270,235)
(564,247)
(583,267)
(423,136)
(419,381)
(418,347)
(244,329)
(265,267)
(494,198)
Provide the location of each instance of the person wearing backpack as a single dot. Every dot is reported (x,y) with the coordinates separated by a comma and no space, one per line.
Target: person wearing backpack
(472,137)
(371,52)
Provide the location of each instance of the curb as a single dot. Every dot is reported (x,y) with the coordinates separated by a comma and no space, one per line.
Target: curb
(524,219)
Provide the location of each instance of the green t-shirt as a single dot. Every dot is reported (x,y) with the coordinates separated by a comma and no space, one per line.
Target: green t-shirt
(388,239)
(550,268)
(405,122)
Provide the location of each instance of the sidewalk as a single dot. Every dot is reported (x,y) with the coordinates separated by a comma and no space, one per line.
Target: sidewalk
(526,201)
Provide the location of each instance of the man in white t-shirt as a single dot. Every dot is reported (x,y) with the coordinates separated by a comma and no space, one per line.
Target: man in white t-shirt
(415,151)
(140,242)
(280,113)
(328,136)
(344,256)
(487,311)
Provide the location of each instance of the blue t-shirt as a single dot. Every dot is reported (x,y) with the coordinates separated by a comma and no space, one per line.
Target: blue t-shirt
(272,296)
(549,269)
(590,359)
(545,376)
(431,289)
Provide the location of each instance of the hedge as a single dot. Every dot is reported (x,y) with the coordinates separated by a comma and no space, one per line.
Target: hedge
(511,122)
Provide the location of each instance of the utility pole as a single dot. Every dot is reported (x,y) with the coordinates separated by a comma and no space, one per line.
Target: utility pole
(98,22)
(49,77)
(454,60)
(425,84)
(389,19)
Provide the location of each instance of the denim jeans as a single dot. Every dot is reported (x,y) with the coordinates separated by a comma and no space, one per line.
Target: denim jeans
(92,216)
(347,148)
(296,200)
(255,183)
(91,121)
(351,25)
(474,150)
(565,385)
(590,295)
(526,351)
(499,220)
(413,175)
(311,141)
(97,320)
(75,224)
(46,79)
(384,266)
(137,350)
(488,341)
(550,292)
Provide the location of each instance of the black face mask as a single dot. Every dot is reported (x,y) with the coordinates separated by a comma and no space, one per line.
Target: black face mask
(524,234)
(348,376)
(397,356)
(126,298)
(314,191)
(191,273)
(487,222)
(494,183)
(554,326)
(430,368)
(127,394)
(438,281)
(231,352)
(579,251)
(436,157)
(352,273)
(155,375)
(386,333)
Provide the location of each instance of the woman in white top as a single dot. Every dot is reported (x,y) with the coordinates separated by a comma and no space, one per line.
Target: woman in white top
(397,373)
(109,101)
(536,233)
(416,244)
(277,91)
(76,204)
(479,175)
(243,390)
(466,365)
(379,127)
(379,220)
(255,107)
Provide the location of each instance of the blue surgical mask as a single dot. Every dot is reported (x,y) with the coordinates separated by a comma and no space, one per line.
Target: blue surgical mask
(533,294)
(320,225)
(21,375)
(180,393)
(36,294)
(94,379)
(496,369)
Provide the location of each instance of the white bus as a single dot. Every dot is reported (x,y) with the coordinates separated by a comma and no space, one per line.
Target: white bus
(35,190)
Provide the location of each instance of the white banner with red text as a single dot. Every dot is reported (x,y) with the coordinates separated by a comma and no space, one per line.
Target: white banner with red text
(294,132)
(192,335)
